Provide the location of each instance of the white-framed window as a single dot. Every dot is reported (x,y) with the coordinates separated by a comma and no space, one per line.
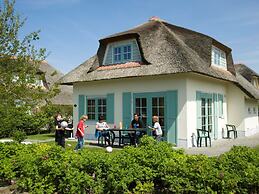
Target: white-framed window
(218,58)
(96,107)
(117,54)
(122,53)
(127,52)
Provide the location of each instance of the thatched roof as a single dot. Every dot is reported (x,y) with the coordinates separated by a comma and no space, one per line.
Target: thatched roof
(165,49)
(244,76)
(246,72)
(51,77)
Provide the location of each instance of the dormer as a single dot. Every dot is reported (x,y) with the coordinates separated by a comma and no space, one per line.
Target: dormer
(218,58)
(254,81)
(121,52)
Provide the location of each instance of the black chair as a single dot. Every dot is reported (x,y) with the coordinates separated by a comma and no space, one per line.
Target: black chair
(231,128)
(203,134)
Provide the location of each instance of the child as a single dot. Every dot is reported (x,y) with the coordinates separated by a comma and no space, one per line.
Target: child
(80,132)
(157,131)
(101,128)
(60,132)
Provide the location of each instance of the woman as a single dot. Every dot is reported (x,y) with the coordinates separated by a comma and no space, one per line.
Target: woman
(157,131)
(80,132)
(101,128)
(60,132)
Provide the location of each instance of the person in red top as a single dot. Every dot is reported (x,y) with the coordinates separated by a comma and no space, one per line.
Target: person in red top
(80,132)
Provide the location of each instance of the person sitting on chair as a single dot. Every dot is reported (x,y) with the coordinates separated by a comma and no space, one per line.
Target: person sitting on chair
(101,128)
(136,123)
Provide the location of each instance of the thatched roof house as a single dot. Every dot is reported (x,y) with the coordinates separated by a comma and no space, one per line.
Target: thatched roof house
(158,68)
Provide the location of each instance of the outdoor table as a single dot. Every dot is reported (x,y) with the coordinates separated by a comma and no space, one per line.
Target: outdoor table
(134,131)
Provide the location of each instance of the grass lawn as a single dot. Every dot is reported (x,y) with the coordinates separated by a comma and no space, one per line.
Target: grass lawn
(257,148)
(41,136)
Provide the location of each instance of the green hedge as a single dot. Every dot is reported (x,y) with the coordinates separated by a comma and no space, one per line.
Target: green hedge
(150,168)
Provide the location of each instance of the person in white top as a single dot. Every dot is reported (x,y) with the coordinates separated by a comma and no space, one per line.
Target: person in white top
(101,128)
(157,128)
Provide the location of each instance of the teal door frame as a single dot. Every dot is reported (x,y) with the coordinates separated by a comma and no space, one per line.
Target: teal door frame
(170,111)
(215,113)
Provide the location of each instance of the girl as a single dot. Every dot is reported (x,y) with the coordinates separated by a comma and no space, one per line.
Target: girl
(80,132)
(101,128)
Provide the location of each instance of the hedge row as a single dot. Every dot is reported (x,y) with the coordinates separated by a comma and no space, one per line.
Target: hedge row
(150,168)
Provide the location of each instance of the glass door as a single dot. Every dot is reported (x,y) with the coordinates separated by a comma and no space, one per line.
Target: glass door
(158,109)
(141,109)
(207,114)
(148,106)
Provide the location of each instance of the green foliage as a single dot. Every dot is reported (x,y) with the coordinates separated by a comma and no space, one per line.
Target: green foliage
(20,97)
(19,136)
(150,168)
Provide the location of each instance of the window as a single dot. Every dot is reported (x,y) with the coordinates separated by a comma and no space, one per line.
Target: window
(122,53)
(102,107)
(127,52)
(141,109)
(218,57)
(95,108)
(117,54)
(158,109)
(91,109)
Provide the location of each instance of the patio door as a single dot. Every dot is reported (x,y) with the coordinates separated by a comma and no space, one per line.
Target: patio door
(206,113)
(149,106)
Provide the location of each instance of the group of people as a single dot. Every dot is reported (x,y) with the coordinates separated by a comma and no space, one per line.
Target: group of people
(60,130)
(102,130)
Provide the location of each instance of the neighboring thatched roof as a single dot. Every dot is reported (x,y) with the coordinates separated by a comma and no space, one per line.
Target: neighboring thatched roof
(246,72)
(51,77)
(165,49)
(244,76)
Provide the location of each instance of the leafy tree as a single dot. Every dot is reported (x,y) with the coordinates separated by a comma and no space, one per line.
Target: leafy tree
(20,96)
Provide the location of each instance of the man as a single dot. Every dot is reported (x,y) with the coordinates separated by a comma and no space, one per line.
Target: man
(136,123)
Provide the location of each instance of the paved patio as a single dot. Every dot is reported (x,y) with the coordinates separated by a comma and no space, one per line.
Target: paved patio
(223,145)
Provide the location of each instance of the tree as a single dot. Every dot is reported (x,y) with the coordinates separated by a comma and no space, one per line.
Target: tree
(20,96)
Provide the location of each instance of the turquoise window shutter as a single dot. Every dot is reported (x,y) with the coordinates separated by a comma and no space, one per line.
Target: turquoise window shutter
(171,116)
(216,116)
(126,105)
(110,108)
(220,99)
(81,105)
(198,102)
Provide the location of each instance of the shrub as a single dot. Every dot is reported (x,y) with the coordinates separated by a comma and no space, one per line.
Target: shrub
(150,168)
(19,136)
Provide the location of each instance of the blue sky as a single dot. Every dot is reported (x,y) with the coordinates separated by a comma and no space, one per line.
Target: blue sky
(70,29)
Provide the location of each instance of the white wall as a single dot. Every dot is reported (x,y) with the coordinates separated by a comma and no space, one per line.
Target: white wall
(236,106)
(207,85)
(251,117)
(187,85)
(135,85)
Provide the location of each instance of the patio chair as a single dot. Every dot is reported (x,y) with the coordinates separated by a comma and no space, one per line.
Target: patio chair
(203,134)
(231,128)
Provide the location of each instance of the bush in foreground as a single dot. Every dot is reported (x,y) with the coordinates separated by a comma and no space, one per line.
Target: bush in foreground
(151,168)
